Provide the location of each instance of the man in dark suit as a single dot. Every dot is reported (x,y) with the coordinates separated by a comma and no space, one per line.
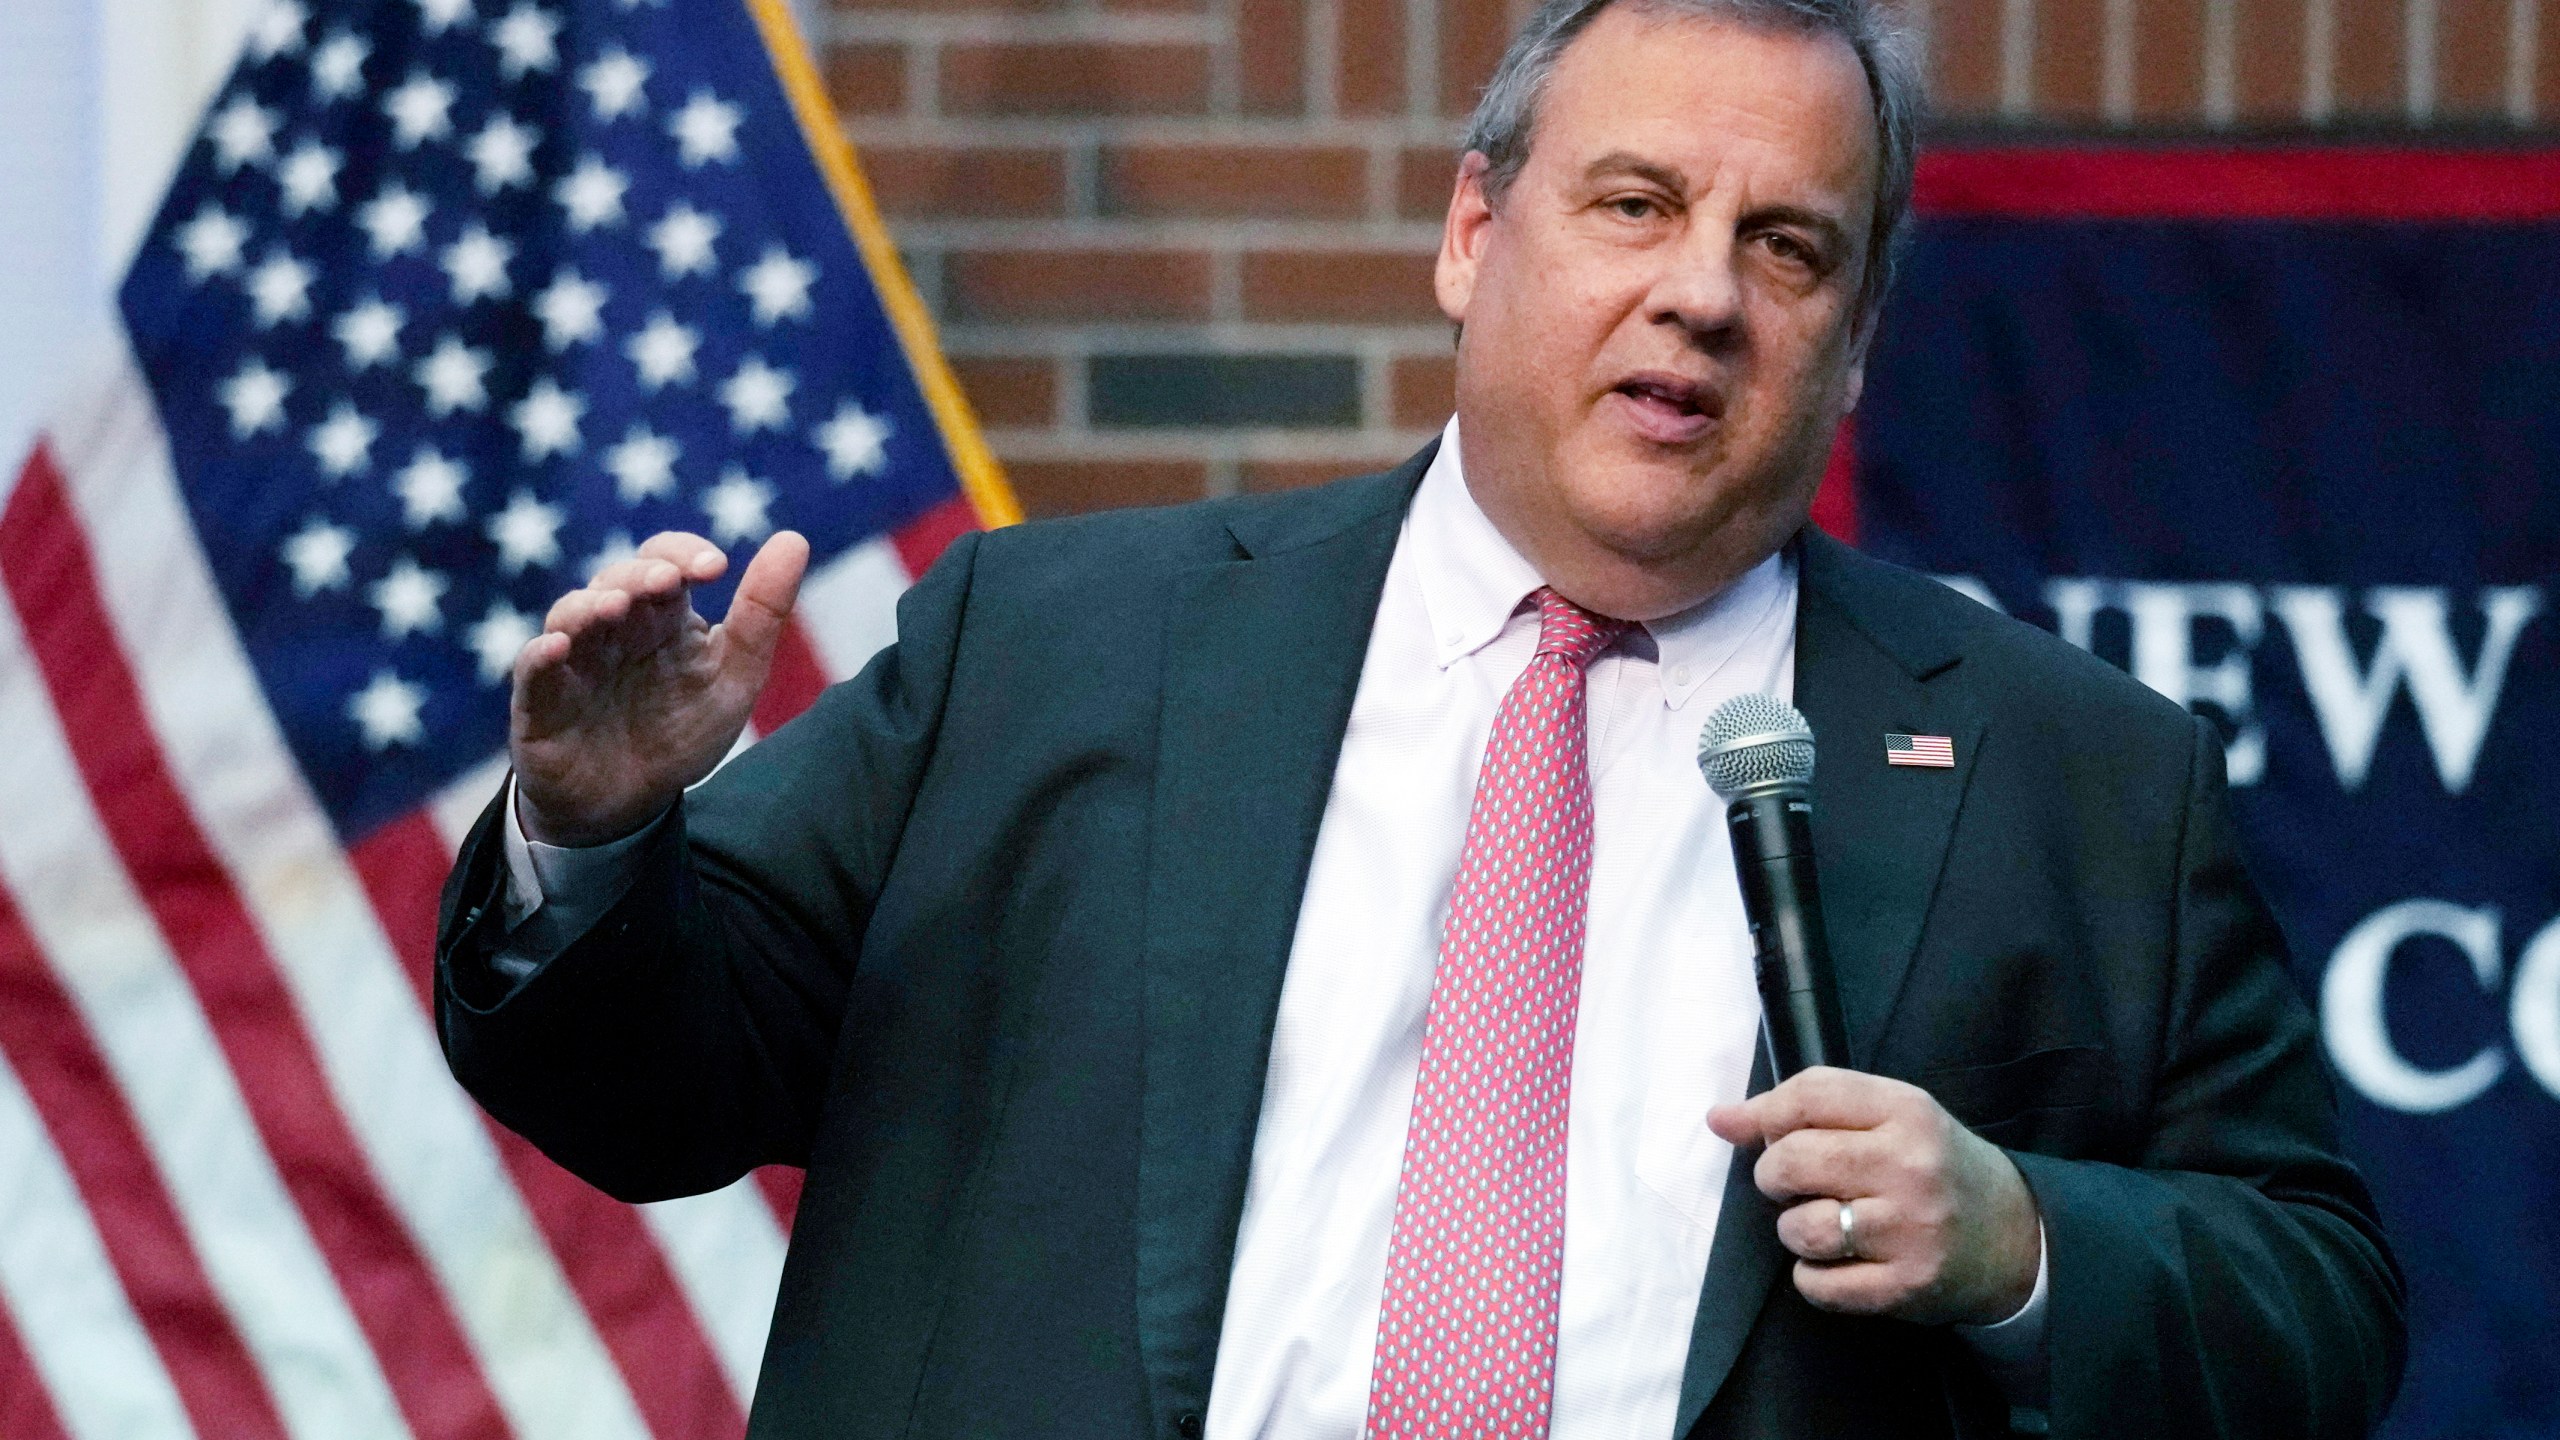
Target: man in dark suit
(1266,967)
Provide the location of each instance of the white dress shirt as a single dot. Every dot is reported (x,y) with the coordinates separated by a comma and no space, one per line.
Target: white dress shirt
(1667,1022)
(1668,1016)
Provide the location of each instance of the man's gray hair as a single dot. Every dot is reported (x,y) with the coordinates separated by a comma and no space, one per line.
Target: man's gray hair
(1508,112)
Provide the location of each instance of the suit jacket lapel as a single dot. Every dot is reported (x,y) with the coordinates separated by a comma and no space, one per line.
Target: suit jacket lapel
(1864,670)
(1262,658)
(1880,836)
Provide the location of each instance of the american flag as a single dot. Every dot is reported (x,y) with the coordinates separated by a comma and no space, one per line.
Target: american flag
(1929,752)
(451,301)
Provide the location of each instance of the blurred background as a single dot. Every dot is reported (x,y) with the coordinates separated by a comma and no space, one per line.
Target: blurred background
(1088,189)
(2229,348)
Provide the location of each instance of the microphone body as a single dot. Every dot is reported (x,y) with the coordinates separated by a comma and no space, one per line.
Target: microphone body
(1757,754)
(1799,998)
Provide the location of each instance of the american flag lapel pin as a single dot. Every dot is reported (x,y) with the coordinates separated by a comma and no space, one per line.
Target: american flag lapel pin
(1929,752)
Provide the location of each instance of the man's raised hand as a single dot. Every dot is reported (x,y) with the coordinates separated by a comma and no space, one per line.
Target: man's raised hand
(627,696)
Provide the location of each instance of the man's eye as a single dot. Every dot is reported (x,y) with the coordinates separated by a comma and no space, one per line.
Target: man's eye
(1634,207)
(1791,250)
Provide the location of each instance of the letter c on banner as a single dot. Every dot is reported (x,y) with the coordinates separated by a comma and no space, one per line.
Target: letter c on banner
(2534,1011)
(2351,1018)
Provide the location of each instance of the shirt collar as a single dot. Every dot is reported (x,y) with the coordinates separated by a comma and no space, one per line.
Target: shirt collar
(1473,582)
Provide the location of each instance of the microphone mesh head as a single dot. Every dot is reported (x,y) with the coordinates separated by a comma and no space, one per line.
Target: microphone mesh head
(1776,746)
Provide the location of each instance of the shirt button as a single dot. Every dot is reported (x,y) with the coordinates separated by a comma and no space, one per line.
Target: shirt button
(1188,1425)
(1679,674)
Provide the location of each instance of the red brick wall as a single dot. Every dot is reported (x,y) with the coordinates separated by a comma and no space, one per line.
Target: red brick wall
(1085,186)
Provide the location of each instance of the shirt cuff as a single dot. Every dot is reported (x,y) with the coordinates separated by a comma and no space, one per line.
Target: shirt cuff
(2013,1349)
(577,882)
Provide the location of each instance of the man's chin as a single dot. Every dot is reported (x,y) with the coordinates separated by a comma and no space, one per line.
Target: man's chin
(1651,511)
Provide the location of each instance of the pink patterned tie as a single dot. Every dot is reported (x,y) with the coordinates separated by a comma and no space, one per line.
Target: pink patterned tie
(1467,1334)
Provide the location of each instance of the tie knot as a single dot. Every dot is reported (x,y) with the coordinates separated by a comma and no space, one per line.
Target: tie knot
(1567,629)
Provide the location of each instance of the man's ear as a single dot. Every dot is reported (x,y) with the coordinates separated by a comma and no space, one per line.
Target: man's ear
(1462,238)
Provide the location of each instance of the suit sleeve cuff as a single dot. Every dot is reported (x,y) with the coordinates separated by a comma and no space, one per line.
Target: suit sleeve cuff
(568,887)
(2013,1349)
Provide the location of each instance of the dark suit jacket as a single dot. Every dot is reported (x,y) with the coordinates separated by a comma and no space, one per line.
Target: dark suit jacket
(991,940)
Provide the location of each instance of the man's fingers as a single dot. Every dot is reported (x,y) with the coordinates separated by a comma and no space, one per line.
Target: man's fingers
(1826,1099)
(541,655)
(766,594)
(542,681)
(1736,1125)
(1860,1289)
(1816,1162)
(697,559)
(645,577)
(1812,1230)
(570,614)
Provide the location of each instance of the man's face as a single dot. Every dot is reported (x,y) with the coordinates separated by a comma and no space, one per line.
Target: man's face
(1660,328)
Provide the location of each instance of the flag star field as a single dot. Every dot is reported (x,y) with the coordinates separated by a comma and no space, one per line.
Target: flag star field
(453,303)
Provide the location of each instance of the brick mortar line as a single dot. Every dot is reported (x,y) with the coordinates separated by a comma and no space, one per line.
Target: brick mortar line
(2523,39)
(1031,446)
(1226,288)
(1421,57)
(2221,63)
(2017,59)
(1402,341)
(1377,389)
(859,27)
(1083,181)
(1075,393)
(2420,59)
(1223,237)
(1323,20)
(1162,130)
(1384,182)
(924,79)
(924,271)
(1226,60)
(2116,51)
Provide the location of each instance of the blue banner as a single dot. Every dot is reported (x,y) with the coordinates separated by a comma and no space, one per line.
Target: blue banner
(2282,437)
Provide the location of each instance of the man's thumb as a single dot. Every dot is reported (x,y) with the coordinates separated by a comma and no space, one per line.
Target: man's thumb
(765,596)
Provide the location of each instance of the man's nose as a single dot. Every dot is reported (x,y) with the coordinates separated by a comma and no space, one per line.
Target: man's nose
(1700,286)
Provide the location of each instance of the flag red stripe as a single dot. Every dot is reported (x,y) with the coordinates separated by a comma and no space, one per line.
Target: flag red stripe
(604,1247)
(793,685)
(922,540)
(781,1185)
(47,568)
(2224,182)
(26,1410)
(73,1090)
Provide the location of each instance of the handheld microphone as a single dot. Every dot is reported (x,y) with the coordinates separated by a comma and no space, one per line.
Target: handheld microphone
(1757,754)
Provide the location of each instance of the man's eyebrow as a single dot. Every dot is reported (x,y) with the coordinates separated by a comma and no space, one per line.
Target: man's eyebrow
(1622,162)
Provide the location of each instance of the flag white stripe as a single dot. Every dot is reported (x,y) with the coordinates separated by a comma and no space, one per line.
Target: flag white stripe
(849,606)
(98,1365)
(436,1164)
(80,906)
(726,1249)
(456,808)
